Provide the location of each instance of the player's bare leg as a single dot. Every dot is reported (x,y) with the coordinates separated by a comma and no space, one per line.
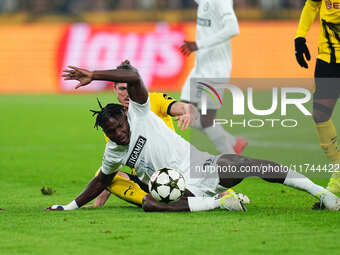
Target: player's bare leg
(151,205)
(288,178)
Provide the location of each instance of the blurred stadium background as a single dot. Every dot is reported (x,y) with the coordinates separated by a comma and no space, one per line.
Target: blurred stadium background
(37,8)
(48,140)
(40,38)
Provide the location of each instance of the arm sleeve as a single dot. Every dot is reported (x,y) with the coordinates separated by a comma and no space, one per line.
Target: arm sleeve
(137,110)
(229,25)
(112,159)
(309,12)
(166,102)
(161,103)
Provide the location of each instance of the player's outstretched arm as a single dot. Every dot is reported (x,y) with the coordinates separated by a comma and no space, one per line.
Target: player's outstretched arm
(186,114)
(124,73)
(92,190)
(82,75)
(136,89)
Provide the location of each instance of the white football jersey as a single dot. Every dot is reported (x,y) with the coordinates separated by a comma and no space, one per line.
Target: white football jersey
(216,24)
(153,146)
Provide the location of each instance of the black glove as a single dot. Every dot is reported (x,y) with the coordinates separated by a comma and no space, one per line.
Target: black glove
(301,51)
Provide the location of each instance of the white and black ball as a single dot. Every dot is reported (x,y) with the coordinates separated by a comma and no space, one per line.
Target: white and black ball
(166,185)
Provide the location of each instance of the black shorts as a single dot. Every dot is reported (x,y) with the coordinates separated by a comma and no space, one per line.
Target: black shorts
(327,80)
(142,185)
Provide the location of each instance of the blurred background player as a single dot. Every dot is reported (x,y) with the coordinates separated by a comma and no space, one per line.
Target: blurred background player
(216,25)
(327,74)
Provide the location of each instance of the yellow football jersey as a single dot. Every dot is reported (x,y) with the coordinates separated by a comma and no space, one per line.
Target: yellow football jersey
(329,42)
(160,105)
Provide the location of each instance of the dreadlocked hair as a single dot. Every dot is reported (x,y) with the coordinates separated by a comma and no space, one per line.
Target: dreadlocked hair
(107,112)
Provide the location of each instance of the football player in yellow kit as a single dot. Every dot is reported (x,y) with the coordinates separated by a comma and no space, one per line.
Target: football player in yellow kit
(327,74)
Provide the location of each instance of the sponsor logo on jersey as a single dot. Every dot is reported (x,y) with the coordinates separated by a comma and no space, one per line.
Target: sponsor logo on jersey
(330,5)
(126,191)
(204,22)
(136,151)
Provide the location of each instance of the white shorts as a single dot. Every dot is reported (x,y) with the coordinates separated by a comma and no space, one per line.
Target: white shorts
(203,180)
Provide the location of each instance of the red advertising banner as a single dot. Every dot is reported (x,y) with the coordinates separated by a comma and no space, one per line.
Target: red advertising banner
(33,56)
(152,48)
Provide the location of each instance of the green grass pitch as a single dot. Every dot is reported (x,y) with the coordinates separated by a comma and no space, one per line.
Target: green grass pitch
(49,140)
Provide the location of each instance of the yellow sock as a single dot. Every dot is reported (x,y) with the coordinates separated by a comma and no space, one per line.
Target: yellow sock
(127,190)
(326,133)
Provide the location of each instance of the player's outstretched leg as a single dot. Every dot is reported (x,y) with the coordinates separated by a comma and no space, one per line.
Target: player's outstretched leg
(190,203)
(243,167)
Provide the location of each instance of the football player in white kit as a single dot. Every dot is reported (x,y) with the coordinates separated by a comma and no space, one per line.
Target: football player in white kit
(140,139)
(216,25)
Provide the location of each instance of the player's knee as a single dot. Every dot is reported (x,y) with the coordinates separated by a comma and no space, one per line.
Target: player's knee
(319,116)
(321,112)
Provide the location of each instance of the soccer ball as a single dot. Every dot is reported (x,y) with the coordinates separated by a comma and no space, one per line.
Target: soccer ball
(166,185)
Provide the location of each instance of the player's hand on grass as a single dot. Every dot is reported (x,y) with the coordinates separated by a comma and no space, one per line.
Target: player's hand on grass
(188,47)
(55,208)
(82,75)
(301,52)
(71,206)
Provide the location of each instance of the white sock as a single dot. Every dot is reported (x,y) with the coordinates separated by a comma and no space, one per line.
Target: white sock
(222,140)
(71,206)
(203,203)
(299,181)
